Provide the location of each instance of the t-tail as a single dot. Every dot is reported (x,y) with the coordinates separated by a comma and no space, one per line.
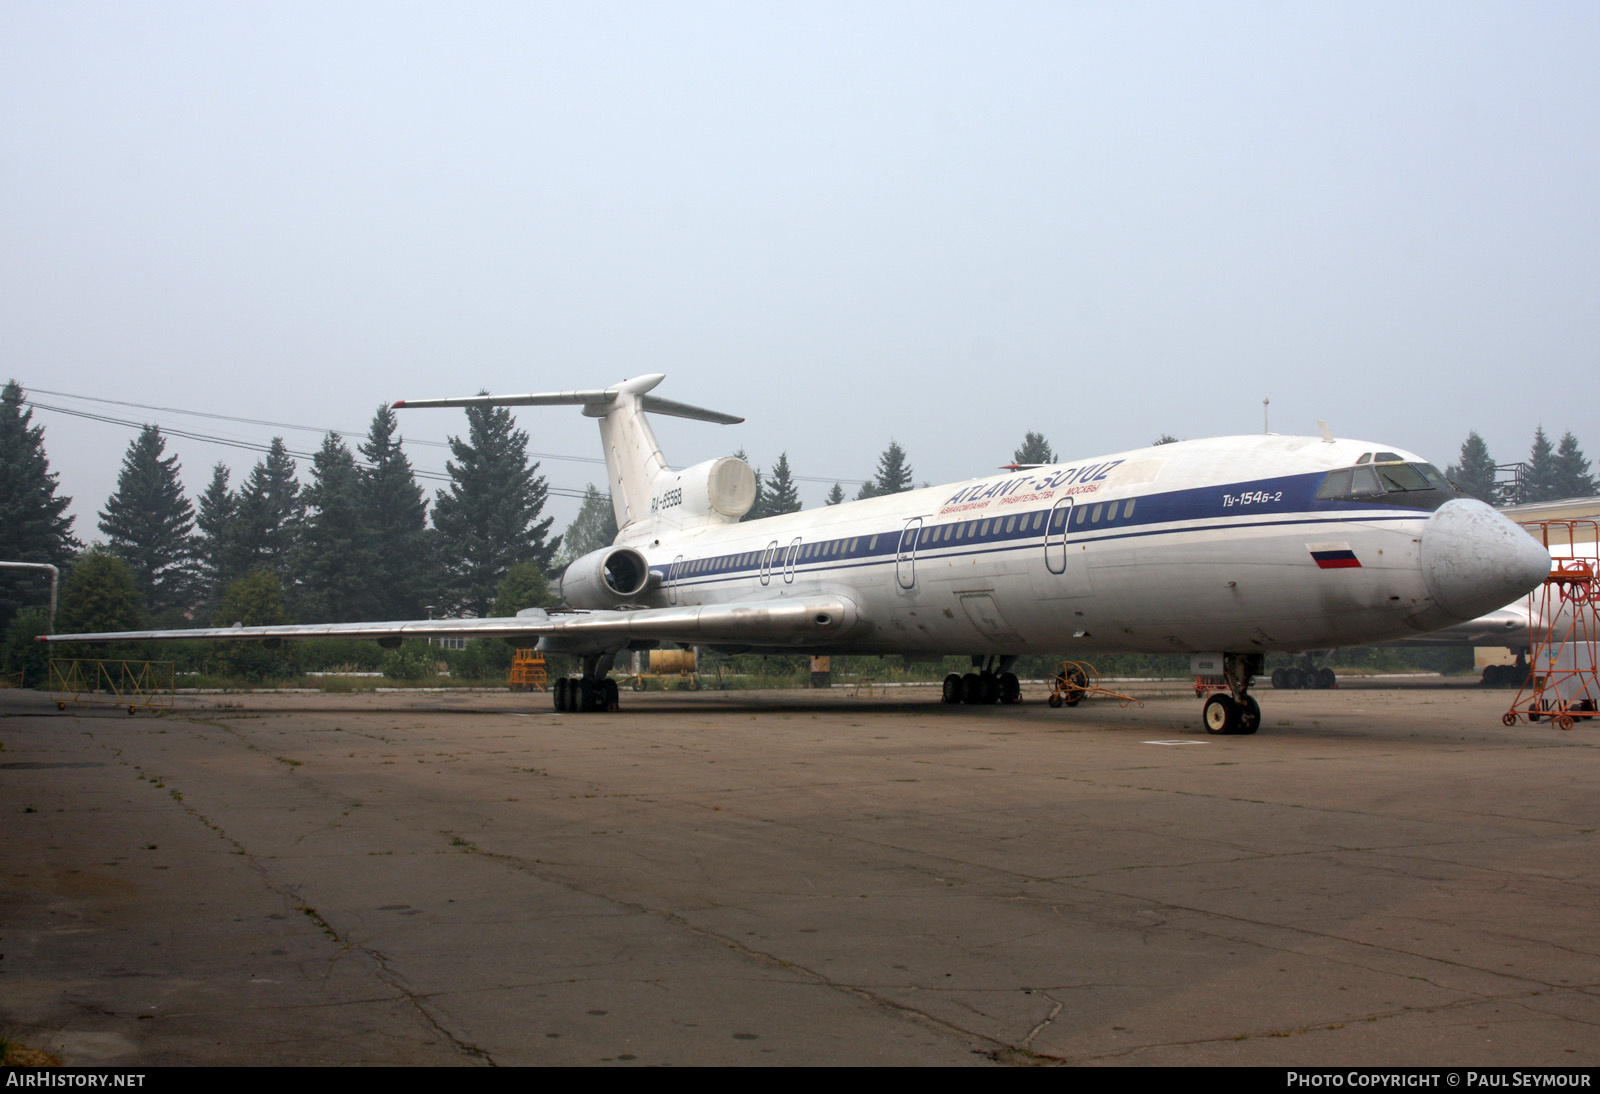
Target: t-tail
(646,494)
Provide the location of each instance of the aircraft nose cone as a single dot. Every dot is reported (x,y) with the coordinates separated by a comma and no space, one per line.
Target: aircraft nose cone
(1475,560)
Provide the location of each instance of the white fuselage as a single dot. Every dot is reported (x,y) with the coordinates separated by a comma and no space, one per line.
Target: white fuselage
(1217,544)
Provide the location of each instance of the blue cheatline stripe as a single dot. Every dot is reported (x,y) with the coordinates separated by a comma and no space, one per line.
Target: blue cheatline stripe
(1291,497)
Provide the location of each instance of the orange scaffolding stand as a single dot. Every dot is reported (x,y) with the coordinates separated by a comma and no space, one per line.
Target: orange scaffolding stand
(1563,681)
(527,671)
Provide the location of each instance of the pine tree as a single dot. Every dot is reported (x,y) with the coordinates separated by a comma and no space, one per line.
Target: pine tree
(488,518)
(1474,475)
(396,516)
(1165,438)
(1572,478)
(216,547)
(835,496)
(893,477)
(34,526)
(1539,481)
(268,514)
(782,496)
(758,508)
(1035,450)
(335,558)
(149,523)
(594,527)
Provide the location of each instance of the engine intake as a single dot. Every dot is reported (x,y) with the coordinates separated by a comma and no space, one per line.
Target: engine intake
(606,578)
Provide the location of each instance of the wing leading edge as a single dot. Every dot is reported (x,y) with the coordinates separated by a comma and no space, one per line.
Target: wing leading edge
(797,622)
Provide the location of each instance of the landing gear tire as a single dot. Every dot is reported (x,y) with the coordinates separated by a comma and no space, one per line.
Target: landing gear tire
(952,688)
(971,689)
(608,689)
(988,688)
(1294,679)
(1325,678)
(1010,688)
(1249,717)
(594,695)
(1278,678)
(1221,715)
(562,694)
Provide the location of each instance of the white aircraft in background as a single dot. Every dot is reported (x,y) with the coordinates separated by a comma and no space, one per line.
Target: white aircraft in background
(1230,547)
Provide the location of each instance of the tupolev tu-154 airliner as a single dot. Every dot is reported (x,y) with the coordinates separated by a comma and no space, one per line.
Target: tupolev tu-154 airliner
(1227,548)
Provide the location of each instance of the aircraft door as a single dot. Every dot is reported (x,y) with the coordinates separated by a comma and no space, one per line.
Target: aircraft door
(788,561)
(672,579)
(1055,536)
(767,557)
(905,556)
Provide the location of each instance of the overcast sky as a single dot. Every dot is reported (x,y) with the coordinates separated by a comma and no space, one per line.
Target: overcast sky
(943,223)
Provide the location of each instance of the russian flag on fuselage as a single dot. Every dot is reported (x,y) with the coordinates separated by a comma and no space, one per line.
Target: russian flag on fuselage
(1333,556)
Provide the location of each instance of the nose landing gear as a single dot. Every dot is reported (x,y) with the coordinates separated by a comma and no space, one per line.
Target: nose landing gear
(1236,712)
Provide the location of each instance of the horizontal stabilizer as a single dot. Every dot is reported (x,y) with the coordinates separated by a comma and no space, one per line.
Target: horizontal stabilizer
(548,398)
(657,405)
(596,401)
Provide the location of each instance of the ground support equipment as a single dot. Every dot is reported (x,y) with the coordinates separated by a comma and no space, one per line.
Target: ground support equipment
(95,681)
(1073,681)
(1563,682)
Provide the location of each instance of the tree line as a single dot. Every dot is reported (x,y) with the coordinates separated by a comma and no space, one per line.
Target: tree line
(355,543)
(1550,473)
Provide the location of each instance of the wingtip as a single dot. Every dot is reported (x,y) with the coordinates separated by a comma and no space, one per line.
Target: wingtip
(397,404)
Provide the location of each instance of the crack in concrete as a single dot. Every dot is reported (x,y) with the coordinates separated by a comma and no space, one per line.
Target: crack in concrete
(996,1049)
(292,894)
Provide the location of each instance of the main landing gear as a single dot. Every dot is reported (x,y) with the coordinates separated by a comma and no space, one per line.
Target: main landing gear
(1306,676)
(593,691)
(1235,712)
(995,683)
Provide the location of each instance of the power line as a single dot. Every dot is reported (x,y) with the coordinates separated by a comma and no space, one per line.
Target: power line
(252,446)
(319,430)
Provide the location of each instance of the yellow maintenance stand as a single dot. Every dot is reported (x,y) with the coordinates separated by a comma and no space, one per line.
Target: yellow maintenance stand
(133,684)
(528,672)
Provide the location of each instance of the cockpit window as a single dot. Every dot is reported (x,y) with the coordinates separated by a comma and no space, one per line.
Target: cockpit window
(1364,480)
(1401,476)
(1386,478)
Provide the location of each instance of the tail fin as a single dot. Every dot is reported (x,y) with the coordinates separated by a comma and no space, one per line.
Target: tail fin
(634,462)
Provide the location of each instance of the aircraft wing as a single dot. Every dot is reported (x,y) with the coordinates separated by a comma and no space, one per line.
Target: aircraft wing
(1506,626)
(793,622)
